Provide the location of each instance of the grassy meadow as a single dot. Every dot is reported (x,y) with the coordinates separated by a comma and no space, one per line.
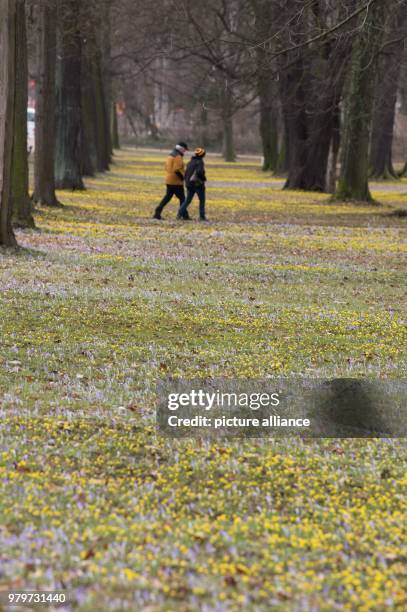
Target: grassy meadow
(102,301)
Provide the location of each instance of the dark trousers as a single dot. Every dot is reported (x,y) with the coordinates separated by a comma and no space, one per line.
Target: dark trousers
(172,190)
(200,192)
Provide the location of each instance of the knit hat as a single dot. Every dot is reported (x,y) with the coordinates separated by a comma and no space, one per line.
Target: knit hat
(200,152)
(182,145)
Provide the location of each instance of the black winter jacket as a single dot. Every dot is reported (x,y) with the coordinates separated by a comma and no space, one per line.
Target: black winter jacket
(195,167)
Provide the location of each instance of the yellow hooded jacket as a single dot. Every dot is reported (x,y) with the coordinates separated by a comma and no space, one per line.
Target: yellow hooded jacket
(174,169)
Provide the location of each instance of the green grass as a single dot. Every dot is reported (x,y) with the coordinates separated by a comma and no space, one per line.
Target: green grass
(102,302)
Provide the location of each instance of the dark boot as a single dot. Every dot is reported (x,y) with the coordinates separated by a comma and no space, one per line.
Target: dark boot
(157,214)
(184,217)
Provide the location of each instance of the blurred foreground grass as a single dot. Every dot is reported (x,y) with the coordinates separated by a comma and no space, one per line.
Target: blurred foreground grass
(103,301)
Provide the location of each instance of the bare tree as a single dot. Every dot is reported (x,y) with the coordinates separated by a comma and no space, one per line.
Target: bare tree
(216,37)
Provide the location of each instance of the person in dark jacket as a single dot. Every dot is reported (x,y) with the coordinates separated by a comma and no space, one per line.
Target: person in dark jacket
(195,179)
(174,178)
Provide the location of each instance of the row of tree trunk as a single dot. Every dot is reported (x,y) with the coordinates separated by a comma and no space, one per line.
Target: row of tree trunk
(359,74)
(387,84)
(74,105)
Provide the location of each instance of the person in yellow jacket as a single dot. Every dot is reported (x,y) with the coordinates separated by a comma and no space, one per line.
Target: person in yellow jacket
(174,177)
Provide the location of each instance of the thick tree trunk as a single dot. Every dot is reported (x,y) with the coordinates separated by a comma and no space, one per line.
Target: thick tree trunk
(403,89)
(381,165)
(264,25)
(293,100)
(89,154)
(102,119)
(96,111)
(69,120)
(7,98)
(268,123)
(229,154)
(334,151)
(96,117)
(105,48)
(45,120)
(315,175)
(114,127)
(310,96)
(353,181)
(282,161)
(20,199)
(203,123)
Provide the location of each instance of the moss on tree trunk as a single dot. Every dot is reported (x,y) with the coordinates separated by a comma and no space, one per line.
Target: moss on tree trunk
(20,199)
(353,181)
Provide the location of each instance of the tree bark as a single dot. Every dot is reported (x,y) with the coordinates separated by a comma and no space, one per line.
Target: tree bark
(268,124)
(310,92)
(105,49)
(69,109)
(403,85)
(89,152)
(264,28)
(381,163)
(96,119)
(203,123)
(353,181)
(293,101)
(321,132)
(229,154)
(45,118)
(7,99)
(282,161)
(102,118)
(20,199)
(334,151)
(114,127)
